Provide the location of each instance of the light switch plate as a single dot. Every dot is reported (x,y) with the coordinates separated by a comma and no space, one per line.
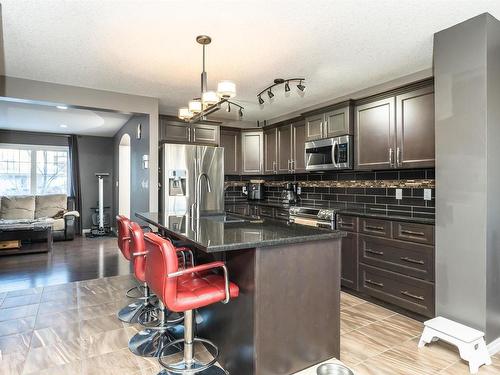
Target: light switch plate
(427,194)
(299,190)
(399,194)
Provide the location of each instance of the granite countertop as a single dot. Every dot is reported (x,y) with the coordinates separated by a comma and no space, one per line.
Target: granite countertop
(213,234)
(387,215)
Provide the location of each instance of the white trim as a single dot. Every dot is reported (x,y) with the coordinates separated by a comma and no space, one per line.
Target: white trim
(494,346)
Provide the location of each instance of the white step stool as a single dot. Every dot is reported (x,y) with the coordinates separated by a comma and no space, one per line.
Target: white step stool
(469,341)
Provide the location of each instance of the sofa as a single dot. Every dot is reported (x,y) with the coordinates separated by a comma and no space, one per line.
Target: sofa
(55,208)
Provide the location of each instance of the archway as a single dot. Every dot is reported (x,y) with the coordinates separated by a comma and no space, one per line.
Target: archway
(124,176)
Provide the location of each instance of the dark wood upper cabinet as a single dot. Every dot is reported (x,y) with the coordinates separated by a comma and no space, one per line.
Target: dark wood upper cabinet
(339,121)
(270,151)
(415,129)
(252,148)
(230,140)
(285,148)
(172,130)
(206,134)
(375,134)
(299,142)
(315,127)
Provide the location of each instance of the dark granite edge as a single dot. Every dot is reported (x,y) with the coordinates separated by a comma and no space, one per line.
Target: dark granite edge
(376,215)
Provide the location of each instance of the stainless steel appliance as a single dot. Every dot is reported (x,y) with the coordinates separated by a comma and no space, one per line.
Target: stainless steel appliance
(183,169)
(255,191)
(330,153)
(314,216)
(289,193)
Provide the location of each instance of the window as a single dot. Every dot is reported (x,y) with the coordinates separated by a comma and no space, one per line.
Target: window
(31,169)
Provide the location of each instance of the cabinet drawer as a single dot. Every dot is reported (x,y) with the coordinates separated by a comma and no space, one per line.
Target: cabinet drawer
(347,223)
(420,233)
(409,259)
(375,227)
(404,291)
(267,211)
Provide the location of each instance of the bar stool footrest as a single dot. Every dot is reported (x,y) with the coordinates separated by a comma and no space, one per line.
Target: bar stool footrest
(197,367)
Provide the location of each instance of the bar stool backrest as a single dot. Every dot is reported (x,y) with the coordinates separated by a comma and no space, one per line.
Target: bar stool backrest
(138,246)
(162,260)
(122,223)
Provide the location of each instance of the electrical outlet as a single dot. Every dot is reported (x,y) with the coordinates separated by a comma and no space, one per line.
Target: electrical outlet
(427,194)
(299,190)
(244,190)
(399,194)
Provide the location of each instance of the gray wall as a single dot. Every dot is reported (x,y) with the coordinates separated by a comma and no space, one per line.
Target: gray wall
(95,155)
(467,84)
(140,177)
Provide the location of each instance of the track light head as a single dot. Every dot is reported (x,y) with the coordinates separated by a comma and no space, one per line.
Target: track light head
(261,101)
(287,87)
(240,113)
(301,87)
(270,94)
(228,107)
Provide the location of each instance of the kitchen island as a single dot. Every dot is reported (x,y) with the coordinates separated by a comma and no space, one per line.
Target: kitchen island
(287,316)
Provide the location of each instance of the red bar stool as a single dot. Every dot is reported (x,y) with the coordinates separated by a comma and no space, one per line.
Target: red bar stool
(149,341)
(128,245)
(184,290)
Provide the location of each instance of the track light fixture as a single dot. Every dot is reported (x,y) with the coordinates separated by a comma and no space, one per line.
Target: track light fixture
(228,107)
(280,81)
(240,113)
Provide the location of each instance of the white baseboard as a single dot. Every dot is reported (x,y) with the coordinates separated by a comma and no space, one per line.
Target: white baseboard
(494,347)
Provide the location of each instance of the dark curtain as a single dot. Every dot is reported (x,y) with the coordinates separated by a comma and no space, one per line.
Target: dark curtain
(76,190)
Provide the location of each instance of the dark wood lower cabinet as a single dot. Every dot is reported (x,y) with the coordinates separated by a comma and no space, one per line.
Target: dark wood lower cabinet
(404,291)
(390,260)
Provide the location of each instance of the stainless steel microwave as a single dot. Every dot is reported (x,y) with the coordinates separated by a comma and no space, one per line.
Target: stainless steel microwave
(330,153)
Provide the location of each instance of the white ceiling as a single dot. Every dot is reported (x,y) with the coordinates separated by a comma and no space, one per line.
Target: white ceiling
(148,47)
(48,118)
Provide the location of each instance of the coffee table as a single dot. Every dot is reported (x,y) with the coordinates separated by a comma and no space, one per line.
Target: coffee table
(35,231)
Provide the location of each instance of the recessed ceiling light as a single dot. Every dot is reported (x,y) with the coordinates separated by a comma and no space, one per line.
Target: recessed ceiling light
(63,126)
(62,107)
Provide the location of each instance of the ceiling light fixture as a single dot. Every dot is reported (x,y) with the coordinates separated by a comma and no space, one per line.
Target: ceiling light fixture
(209,101)
(63,126)
(61,106)
(277,82)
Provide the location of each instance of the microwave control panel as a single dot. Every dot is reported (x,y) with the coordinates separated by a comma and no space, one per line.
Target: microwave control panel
(343,153)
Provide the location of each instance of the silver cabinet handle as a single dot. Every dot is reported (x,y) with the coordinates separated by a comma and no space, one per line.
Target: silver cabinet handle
(374,252)
(189,134)
(368,281)
(412,233)
(391,157)
(398,157)
(374,228)
(410,260)
(408,294)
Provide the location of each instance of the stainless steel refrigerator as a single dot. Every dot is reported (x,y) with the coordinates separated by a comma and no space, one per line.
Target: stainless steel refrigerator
(180,166)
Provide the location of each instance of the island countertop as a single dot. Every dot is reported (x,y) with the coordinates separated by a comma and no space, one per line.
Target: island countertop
(213,234)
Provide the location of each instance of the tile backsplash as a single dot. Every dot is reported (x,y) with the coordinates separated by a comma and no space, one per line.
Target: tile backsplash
(363,190)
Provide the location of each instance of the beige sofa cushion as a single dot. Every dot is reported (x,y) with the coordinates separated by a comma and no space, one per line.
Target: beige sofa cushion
(58,224)
(18,207)
(50,205)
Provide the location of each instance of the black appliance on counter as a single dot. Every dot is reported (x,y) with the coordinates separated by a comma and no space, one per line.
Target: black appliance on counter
(255,191)
(289,193)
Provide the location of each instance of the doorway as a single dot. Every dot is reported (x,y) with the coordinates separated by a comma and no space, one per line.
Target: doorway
(124,176)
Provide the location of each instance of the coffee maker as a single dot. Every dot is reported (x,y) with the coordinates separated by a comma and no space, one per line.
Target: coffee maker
(289,193)
(255,191)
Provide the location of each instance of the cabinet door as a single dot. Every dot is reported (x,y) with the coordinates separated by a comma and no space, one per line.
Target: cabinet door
(206,134)
(252,153)
(176,131)
(270,151)
(375,138)
(339,122)
(350,261)
(415,129)
(284,162)
(230,140)
(314,127)
(299,150)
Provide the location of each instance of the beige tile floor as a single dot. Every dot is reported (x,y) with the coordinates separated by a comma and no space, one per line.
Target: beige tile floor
(72,329)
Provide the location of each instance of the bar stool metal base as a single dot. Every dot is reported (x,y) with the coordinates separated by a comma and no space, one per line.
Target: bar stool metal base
(136,292)
(132,312)
(214,370)
(151,342)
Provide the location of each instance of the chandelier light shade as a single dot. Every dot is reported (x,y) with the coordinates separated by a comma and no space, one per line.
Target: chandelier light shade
(184,113)
(277,82)
(226,89)
(209,98)
(194,106)
(209,101)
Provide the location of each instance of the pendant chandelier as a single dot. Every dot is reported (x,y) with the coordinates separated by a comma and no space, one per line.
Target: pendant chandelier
(209,101)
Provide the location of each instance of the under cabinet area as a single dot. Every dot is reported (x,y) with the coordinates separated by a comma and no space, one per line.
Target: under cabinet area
(393,261)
